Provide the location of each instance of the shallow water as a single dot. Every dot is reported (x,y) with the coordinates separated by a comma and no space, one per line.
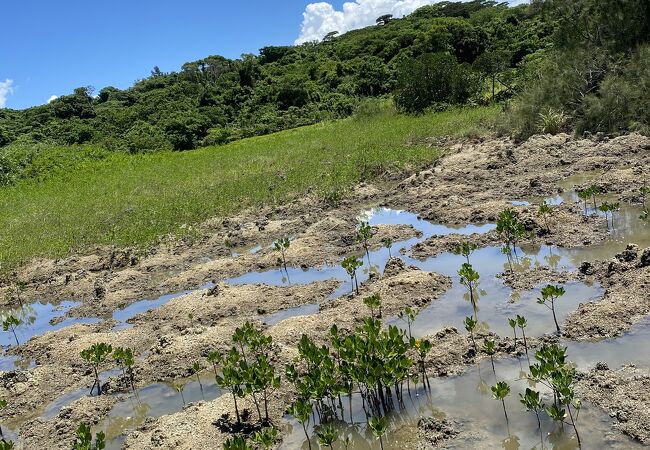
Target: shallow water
(36,320)
(154,400)
(467,399)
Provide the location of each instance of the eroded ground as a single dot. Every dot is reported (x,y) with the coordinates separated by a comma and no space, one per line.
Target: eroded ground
(227,272)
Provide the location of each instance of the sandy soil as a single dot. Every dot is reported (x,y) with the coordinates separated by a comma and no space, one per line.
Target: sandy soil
(471,184)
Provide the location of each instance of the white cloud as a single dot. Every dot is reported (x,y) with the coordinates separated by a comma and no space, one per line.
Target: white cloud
(5,89)
(321,18)
(52,98)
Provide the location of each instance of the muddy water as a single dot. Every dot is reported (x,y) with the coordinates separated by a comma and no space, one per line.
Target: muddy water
(468,401)
(37,318)
(154,400)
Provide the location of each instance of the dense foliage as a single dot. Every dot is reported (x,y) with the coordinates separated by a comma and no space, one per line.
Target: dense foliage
(595,75)
(216,100)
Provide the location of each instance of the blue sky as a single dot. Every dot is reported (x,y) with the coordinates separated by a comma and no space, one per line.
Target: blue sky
(48,47)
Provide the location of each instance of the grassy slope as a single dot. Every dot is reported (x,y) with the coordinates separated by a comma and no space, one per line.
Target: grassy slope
(127,199)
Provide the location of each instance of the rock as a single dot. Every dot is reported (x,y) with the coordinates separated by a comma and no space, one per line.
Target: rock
(394,266)
(435,431)
(645,258)
(587,268)
(602,366)
(629,254)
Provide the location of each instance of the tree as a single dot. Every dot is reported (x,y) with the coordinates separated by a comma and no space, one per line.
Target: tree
(430,79)
(330,36)
(384,19)
(491,64)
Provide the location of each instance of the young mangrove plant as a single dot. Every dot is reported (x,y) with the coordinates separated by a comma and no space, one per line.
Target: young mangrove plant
(364,234)
(96,354)
(521,323)
(532,402)
(379,428)
(84,439)
(10,323)
(510,228)
(236,443)
(282,245)
(465,249)
(594,190)
(545,212)
(180,388)
(584,195)
(388,243)
(246,369)
(550,294)
(195,369)
(489,347)
(408,316)
(301,410)
(327,435)
(470,326)
(555,372)
(351,264)
(645,192)
(124,357)
(513,325)
(374,303)
(469,278)
(609,209)
(266,437)
(499,392)
(423,347)
(6,445)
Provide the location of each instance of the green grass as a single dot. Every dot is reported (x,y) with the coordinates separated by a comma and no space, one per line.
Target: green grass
(133,199)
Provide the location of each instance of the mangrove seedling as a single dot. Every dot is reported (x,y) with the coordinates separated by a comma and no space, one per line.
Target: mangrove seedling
(124,357)
(301,410)
(266,437)
(423,347)
(388,243)
(196,369)
(282,245)
(510,229)
(465,249)
(550,294)
(6,445)
(180,388)
(545,212)
(373,302)
(379,428)
(327,435)
(364,234)
(513,325)
(84,439)
(96,354)
(532,402)
(236,443)
(609,208)
(408,316)
(521,323)
(584,196)
(489,347)
(469,278)
(351,264)
(594,190)
(554,371)
(470,326)
(499,392)
(10,323)
(213,358)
